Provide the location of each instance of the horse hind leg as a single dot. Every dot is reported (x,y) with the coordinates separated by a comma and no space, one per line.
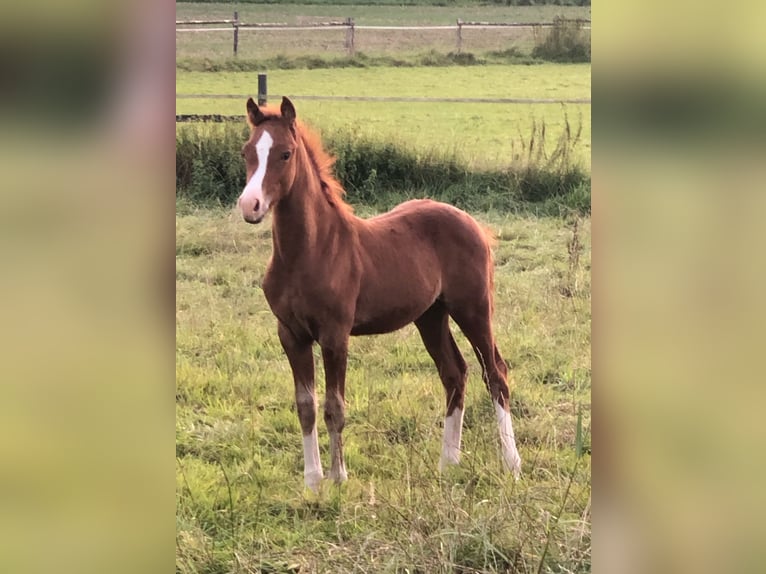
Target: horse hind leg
(335,356)
(433,326)
(476,324)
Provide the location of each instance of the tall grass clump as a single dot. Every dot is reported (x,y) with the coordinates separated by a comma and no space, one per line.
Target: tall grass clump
(209,167)
(553,178)
(209,170)
(370,169)
(565,42)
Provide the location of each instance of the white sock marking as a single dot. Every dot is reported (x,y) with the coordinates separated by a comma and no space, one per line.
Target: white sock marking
(453,429)
(510,453)
(254,188)
(312,466)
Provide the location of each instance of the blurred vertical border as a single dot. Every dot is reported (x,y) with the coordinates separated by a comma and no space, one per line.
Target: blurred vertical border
(86,287)
(679,135)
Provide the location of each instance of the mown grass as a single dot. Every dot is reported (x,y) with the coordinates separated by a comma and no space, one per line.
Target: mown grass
(241,505)
(540,81)
(478,134)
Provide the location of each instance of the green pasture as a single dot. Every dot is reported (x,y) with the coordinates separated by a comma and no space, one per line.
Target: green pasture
(241,506)
(484,135)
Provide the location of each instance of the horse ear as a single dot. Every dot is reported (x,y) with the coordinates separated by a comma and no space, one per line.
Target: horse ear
(287,109)
(254,113)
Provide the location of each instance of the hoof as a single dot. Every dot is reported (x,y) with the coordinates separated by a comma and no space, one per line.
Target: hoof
(514,466)
(338,476)
(313,480)
(446,462)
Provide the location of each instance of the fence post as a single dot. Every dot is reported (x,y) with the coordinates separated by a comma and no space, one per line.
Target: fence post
(350,36)
(236,31)
(459,35)
(262,93)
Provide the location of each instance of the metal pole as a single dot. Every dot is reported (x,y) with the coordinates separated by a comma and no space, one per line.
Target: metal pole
(459,35)
(262,93)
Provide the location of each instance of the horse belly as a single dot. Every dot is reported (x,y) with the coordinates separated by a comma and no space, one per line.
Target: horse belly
(387,307)
(392,321)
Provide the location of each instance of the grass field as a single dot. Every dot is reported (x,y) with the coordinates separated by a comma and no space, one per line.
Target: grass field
(482,134)
(261,44)
(241,504)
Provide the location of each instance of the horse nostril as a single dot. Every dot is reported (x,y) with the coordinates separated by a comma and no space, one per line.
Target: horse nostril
(256,205)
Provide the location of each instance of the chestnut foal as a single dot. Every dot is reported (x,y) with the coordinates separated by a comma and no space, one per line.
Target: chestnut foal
(333,275)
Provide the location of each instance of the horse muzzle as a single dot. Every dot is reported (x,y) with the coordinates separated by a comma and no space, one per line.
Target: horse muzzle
(253,210)
(251,218)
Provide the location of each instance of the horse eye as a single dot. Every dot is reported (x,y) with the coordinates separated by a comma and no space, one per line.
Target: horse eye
(286,155)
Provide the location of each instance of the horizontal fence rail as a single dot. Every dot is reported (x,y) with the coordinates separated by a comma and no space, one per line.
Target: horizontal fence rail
(255,27)
(202,22)
(182,118)
(399,99)
(320,25)
(350,26)
(331,25)
(215,118)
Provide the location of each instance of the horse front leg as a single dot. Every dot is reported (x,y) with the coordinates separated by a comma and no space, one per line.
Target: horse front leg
(335,357)
(301,360)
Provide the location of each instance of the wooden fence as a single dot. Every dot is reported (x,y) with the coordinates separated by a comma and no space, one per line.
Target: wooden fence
(235,25)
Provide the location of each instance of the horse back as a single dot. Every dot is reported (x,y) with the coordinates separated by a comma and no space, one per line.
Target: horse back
(424,229)
(413,255)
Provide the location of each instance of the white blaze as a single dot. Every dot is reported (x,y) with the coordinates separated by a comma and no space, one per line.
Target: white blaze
(510,454)
(453,428)
(254,188)
(312,466)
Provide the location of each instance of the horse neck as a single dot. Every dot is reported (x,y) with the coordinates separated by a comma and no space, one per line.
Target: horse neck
(304,221)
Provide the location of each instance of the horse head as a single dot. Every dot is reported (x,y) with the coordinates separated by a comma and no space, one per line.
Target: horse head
(270,159)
